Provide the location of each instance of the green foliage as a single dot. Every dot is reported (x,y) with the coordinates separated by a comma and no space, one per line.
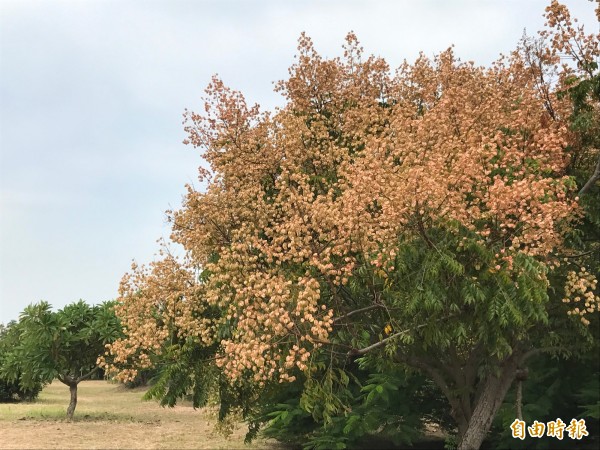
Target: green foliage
(562,388)
(555,388)
(63,344)
(584,92)
(185,369)
(10,387)
(453,295)
(390,405)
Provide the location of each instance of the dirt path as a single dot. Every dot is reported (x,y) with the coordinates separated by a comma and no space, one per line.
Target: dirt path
(110,417)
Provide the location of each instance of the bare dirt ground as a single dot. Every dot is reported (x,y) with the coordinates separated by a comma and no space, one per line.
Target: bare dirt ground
(110,417)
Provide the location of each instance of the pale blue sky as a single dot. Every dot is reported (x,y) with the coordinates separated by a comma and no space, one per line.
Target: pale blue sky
(91,97)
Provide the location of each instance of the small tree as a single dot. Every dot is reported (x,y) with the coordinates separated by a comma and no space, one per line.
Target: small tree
(64,345)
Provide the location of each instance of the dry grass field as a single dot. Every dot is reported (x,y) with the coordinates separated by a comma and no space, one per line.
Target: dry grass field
(110,417)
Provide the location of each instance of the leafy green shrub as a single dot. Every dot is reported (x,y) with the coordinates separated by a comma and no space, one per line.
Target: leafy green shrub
(391,406)
(11,391)
(11,387)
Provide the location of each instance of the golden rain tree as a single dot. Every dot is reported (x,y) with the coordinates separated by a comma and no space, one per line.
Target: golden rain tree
(413,219)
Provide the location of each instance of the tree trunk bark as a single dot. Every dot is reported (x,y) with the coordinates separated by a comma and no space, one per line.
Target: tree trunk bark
(73,403)
(590,183)
(487,406)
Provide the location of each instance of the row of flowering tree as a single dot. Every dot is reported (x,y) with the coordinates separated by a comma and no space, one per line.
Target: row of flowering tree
(431,220)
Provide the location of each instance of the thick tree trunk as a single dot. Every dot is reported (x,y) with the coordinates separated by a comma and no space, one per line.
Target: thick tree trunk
(486,406)
(73,403)
(474,416)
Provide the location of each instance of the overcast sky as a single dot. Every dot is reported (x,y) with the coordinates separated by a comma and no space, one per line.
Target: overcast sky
(91,97)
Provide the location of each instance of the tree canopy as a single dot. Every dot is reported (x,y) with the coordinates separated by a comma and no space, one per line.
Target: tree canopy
(428,219)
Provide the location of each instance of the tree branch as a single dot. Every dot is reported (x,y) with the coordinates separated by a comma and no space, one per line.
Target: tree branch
(458,413)
(537,351)
(362,351)
(66,379)
(436,376)
(87,375)
(581,255)
(595,176)
(421,228)
(357,311)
